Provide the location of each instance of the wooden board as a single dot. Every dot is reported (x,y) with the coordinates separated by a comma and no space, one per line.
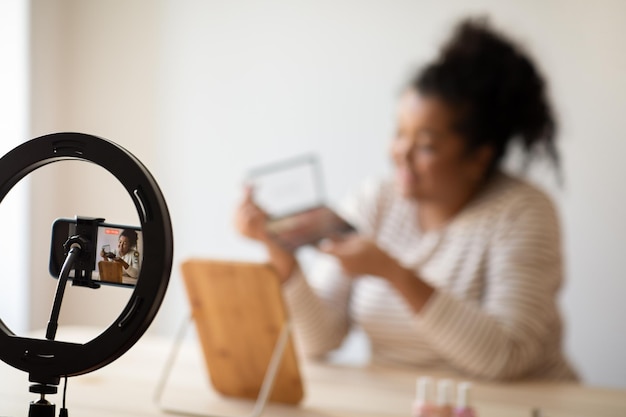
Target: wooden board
(239,312)
(110,271)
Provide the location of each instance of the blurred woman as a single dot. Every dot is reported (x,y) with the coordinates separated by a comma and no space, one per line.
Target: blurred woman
(455,263)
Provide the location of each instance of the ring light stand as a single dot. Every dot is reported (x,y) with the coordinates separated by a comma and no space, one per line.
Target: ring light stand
(46,361)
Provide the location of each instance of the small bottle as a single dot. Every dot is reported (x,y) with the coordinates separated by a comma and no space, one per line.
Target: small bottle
(423,405)
(444,398)
(463,407)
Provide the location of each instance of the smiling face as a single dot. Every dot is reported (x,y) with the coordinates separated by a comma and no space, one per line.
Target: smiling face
(431,159)
(123,246)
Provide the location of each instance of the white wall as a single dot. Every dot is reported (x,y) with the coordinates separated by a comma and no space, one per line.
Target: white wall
(14,28)
(203,90)
(93,71)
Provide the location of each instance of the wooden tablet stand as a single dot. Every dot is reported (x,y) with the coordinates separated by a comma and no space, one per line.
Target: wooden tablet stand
(244,331)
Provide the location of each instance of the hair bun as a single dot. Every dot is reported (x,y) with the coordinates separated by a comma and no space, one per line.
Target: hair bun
(493,78)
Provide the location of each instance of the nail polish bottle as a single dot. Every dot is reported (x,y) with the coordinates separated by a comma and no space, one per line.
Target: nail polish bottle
(444,398)
(463,407)
(423,405)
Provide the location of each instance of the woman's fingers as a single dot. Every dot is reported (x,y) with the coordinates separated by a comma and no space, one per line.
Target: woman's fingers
(250,220)
(248,194)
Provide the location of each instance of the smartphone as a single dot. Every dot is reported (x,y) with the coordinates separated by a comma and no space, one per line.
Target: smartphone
(118,250)
(307,227)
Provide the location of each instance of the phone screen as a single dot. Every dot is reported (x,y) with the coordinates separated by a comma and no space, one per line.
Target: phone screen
(118,249)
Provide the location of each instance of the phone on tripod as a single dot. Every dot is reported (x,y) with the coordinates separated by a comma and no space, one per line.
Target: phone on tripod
(117,250)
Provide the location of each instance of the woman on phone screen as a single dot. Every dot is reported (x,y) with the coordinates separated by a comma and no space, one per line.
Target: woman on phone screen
(126,253)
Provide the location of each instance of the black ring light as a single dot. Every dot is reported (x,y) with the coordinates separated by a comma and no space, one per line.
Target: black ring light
(48,360)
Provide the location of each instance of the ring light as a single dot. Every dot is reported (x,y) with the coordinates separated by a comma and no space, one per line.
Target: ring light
(48,360)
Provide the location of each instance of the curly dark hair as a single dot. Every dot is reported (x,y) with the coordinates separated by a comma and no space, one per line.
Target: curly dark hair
(132,237)
(497,92)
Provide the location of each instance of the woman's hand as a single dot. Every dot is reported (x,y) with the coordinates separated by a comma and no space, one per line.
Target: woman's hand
(121,261)
(359,256)
(251,222)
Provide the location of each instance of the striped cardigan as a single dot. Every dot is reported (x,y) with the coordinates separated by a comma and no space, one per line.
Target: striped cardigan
(496,268)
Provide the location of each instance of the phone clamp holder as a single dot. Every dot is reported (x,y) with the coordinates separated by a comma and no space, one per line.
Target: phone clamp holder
(85,263)
(46,360)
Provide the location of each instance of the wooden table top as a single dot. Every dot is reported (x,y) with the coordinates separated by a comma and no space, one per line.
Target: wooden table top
(127,387)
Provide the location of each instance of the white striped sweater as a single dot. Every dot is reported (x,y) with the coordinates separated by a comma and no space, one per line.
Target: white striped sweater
(496,268)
